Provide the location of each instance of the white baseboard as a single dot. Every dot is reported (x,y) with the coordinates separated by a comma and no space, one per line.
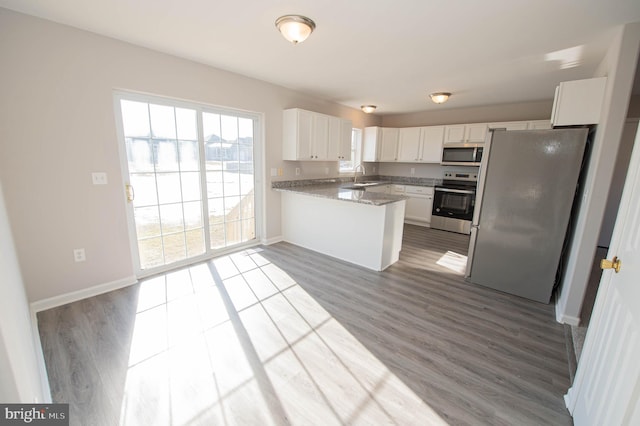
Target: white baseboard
(417,222)
(42,368)
(273,240)
(563,318)
(63,299)
(567,319)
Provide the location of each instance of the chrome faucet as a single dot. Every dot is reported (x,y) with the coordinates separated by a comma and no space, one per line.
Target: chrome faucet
(355,172)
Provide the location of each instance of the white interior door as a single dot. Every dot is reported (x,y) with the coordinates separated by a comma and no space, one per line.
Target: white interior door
(606,390)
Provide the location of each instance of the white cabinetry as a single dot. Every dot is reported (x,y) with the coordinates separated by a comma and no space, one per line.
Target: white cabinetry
(409,144)
(389,147)
(419,205)
(420,144)
(539,125)
(339,144)
(509,125)
(310,136)
(380,144)
(371,143)
(578,102)
(475,132)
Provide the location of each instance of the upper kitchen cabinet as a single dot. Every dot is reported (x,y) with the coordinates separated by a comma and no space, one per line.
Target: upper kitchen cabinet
(371,143)
(539,125)
(578,102)
(339,146)
(409,142)
(380,144)
(510,125)
(476,132)
(522,125)
(311,136)
(389,147)
(420,144)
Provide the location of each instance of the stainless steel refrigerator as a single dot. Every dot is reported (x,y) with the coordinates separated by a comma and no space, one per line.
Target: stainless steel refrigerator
(526,189)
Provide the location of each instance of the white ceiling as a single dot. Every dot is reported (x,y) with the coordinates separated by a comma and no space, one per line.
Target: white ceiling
(388,53)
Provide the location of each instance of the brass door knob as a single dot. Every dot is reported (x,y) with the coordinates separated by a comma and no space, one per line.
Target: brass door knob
(614,264)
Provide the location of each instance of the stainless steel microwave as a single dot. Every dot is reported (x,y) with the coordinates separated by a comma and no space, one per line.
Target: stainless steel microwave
(462,154)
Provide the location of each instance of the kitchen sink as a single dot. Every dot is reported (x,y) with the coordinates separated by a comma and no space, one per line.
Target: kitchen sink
(364,184)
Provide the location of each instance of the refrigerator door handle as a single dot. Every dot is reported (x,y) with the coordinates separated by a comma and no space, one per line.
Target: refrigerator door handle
(472,246)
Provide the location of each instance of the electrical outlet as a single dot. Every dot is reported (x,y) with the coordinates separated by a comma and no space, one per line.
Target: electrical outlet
(79,255)
(297,171)
(99,178)
(326,170)
(413,171)
(274,172)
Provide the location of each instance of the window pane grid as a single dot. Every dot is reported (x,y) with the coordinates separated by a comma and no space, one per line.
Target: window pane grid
(171,180)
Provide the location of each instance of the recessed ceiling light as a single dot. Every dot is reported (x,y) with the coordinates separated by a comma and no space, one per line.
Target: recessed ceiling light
(440,97)
(368,108)
(295,28)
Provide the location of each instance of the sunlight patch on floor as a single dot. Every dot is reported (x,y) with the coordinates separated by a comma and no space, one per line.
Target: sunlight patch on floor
(454,261)
(238,341)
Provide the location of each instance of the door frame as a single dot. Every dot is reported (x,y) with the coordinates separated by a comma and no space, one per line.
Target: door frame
(598,321)
(258,173)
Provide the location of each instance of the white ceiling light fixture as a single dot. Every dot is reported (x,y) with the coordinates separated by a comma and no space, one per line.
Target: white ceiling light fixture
(295,28)
(440,97)
(368,108)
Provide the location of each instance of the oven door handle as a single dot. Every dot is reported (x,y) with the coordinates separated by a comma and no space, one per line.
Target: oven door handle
(457,191)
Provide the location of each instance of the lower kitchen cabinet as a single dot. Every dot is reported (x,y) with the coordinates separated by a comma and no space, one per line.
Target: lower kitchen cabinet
(419,204)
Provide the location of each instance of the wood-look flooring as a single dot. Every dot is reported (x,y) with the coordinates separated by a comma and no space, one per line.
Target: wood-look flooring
(282,335)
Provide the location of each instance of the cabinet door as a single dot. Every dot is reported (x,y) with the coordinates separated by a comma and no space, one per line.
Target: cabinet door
(454,134)
(476,132)
(509,125)
(334,140)
(578,102)
(539,125)
(344,151)
(371,144)
(409,144)
(418,209)
(432,138)
(304,135)
(389,149)
(320,142)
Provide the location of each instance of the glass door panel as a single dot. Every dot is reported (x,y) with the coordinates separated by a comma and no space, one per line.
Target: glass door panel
(230,178)
(164,172)
(192,176)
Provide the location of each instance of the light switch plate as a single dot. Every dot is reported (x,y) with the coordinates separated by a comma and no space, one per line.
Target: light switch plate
(99,178)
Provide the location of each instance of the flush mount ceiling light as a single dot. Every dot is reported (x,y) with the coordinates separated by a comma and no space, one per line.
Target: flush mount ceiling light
(295,28)
(440,97)
(368,108)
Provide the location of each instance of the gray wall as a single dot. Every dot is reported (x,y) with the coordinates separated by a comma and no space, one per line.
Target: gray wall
(58,126)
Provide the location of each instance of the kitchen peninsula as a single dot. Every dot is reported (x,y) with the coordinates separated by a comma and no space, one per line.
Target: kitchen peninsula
(331,217)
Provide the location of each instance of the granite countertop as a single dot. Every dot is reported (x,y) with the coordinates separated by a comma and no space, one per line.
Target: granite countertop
(337,189)
(381,180)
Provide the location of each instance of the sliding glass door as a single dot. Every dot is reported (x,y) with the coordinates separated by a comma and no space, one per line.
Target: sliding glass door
(190,180)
